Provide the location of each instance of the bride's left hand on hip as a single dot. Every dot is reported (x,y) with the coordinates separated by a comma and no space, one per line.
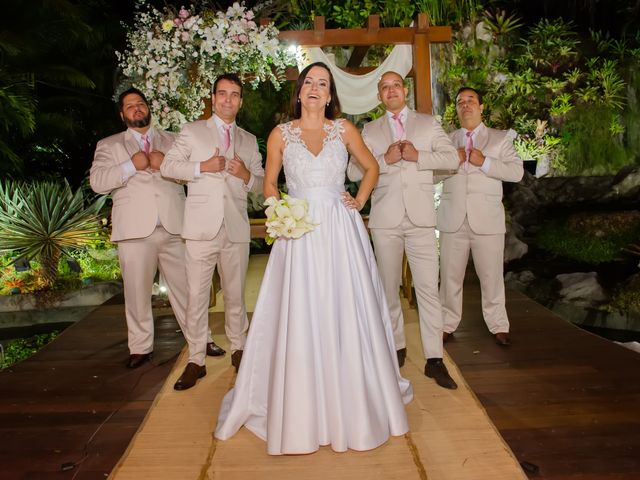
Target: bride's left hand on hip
(350,202)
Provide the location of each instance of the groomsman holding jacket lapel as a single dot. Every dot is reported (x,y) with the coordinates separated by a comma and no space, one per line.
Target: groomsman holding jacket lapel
(409,146)
(221,164)
(471,216)
(146,219)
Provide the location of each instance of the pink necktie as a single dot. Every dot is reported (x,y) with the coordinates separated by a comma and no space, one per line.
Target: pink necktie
(226,137)
(146,145)
(399,126)
(468,149)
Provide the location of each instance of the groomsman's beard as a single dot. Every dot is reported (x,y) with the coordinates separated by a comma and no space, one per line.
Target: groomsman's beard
(141,123)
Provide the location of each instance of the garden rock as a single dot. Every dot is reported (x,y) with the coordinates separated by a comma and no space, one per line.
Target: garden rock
(581,289)
(514,248)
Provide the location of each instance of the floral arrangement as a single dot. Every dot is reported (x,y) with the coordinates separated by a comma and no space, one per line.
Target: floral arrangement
(174,57)
(287,218)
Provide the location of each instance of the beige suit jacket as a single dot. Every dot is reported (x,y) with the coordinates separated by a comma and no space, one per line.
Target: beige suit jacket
(213,197)
(406,187)
(475,194)
(140,200)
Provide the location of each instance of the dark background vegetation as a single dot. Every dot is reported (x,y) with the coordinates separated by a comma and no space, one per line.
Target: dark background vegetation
(58,71)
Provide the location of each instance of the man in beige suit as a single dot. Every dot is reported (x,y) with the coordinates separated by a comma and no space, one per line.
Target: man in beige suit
(222,164)
(146,219)
(408,146)
(471,216)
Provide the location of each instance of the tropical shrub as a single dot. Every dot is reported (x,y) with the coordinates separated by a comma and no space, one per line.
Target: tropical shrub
(46,220)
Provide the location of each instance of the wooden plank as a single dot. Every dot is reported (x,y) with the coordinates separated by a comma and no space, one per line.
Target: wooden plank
(361,36)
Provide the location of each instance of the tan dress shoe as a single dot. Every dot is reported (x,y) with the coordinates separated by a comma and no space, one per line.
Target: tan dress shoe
(190,376)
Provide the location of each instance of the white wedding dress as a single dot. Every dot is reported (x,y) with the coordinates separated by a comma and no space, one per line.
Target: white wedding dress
(319,365)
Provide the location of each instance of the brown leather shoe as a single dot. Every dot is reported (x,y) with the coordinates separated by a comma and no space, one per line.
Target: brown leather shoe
(438,371)
(137,359)
(190,376)
(502,339)
(236,358)
(214,350)
(402,355)
(446,336)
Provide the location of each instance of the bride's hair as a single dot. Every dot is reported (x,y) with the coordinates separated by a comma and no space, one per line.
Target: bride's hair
(332,110)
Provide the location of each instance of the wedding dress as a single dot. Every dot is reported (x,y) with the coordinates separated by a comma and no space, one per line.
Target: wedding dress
(319,366)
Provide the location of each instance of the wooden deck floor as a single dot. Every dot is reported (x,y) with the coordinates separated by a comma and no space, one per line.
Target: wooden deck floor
(563,399)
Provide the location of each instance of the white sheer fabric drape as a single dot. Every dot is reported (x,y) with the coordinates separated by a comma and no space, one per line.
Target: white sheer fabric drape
(359,93)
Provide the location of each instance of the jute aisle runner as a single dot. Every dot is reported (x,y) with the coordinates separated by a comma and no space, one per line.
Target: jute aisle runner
(450,438)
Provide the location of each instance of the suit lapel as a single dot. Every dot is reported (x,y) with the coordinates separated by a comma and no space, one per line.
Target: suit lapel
(410,127)
(482,138)
(130,143)
(213,131)
(238,141)
(385,129)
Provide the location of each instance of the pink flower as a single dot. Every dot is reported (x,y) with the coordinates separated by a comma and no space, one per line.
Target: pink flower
(249,15)
(184,36)
(183,13)
(242,38)
(177,22)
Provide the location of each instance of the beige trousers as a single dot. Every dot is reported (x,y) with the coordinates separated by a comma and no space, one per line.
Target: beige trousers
(139,261)
(488,258)
(232,260)
(419,244)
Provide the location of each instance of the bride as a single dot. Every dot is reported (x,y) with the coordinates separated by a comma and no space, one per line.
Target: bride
(320,366)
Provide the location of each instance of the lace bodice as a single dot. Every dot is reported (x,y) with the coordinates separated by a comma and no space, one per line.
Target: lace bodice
(303,169)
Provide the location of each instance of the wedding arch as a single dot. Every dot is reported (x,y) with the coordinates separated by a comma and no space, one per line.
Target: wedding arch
(356,84)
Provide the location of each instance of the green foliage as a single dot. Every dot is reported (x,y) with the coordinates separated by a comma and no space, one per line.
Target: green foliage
(566,104)
(45,220)
(590,238)
(626,301)
(589,145)
(352,13)
(445,12)
(98,261)
(17,350)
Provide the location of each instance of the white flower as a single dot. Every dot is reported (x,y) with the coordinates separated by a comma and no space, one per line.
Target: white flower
(174,59)
(167,25)
(287,218)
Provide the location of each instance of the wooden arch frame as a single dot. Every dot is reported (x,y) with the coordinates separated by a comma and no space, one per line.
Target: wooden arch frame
(419,36)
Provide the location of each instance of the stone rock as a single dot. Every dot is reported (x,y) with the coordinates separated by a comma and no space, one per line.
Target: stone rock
(514,248)
(581,289)
(519,280)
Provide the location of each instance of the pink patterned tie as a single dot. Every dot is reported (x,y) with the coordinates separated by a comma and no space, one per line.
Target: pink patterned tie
(399,127)
(146,144)
(468,149)
(226,137)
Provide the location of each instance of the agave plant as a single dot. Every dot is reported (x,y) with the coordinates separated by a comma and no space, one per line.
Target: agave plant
(45,220)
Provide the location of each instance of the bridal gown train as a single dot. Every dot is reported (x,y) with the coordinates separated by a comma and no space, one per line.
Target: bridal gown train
(319,366)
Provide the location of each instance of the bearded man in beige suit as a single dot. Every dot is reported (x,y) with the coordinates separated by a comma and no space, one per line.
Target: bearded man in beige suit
(221,164)
(146,219)
(408,147)
(471,216)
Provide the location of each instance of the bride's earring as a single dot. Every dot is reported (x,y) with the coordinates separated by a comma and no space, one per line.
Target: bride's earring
(298,99)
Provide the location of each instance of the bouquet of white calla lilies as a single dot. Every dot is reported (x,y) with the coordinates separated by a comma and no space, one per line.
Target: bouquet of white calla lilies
(287,218)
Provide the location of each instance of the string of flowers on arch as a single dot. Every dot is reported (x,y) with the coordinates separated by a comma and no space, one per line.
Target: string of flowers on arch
(174,57)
